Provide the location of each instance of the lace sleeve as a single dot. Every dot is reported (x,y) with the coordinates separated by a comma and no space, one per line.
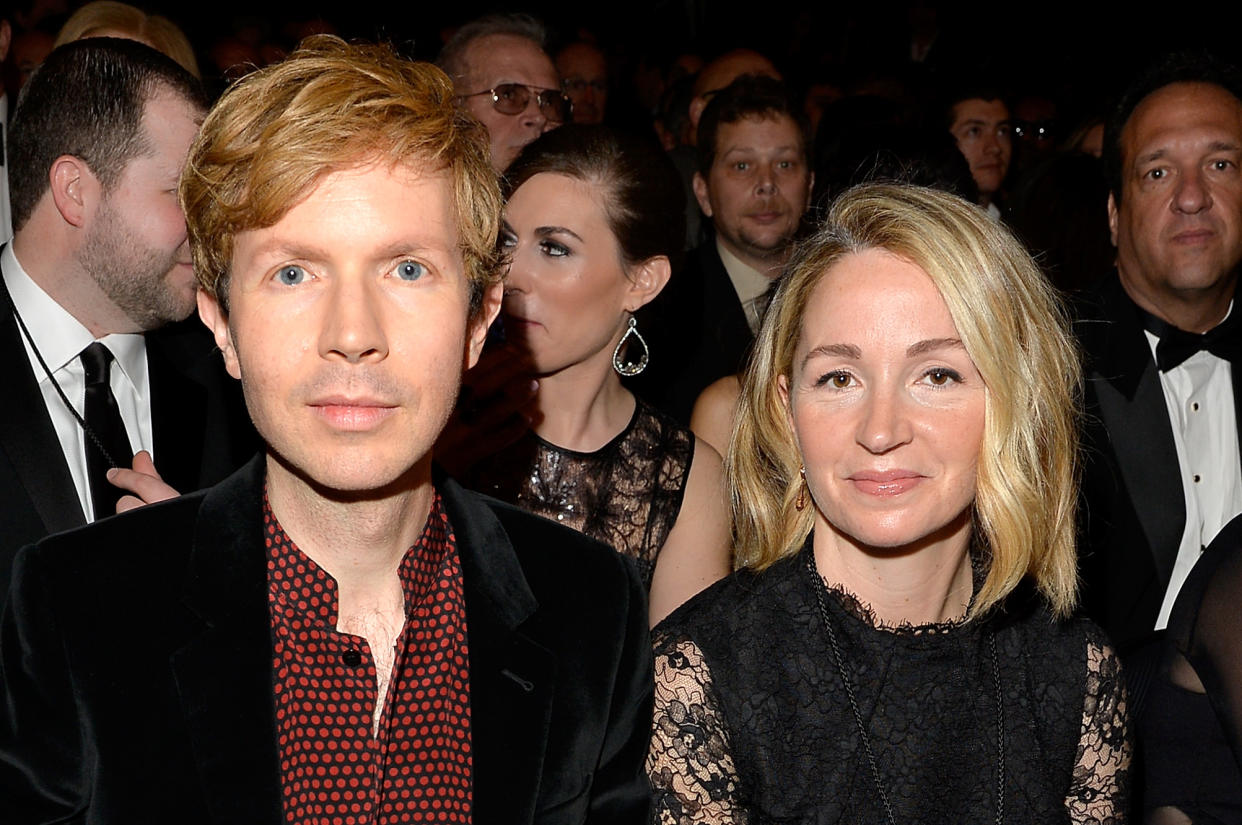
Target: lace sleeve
(1099,791)
(692,775)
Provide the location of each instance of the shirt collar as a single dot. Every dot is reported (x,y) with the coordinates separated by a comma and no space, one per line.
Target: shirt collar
(748,282)
(420,570)
(59,337)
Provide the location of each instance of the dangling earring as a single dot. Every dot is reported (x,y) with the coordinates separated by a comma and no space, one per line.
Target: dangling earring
(630,368)
(800,503)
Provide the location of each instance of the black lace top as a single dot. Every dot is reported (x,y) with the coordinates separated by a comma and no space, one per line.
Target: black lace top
(626,494)
(752,723)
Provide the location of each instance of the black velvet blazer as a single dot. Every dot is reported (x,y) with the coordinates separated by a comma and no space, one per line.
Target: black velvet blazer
(136,669)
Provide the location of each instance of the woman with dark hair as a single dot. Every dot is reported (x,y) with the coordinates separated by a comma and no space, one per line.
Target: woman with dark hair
(591,220)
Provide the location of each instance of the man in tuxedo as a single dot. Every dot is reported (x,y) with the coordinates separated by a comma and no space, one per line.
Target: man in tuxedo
(754,184)
(503,77)
(94,284)
(1160,337)
(336,631)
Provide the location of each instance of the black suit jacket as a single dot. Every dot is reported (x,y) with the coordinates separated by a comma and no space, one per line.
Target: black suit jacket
(701,334)
(136,669)
(1133,507)
(200,430)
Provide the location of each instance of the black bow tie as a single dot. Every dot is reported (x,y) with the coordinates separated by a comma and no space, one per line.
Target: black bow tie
(1176,345)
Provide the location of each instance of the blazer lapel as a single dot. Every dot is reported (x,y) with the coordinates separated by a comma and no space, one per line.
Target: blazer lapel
(1131,403)
(224,675)
(511,675)
(27,436)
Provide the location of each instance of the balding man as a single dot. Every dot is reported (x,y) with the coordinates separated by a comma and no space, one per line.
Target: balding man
(503,77)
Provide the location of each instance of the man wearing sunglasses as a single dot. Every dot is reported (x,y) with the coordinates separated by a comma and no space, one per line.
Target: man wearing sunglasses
(503,77)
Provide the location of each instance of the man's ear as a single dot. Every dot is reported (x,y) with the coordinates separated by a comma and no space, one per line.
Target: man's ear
(646,281)
(493,294)
(697,105)
(74,189)
(217,320)
(1112,218)
(700,194)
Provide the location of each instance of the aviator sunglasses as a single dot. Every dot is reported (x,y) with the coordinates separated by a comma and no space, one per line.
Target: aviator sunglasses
(511,99)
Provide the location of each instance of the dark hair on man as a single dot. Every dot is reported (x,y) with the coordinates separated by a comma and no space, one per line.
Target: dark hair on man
(750,96)
(452,57)
(1195,66)
(642,194)
(87,101)
(959,90)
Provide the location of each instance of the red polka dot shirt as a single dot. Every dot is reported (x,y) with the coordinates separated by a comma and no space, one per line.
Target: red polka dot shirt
(333,770)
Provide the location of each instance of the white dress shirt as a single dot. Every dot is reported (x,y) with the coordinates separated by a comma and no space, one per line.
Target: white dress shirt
(1199,396)
(750,284)
(60,338)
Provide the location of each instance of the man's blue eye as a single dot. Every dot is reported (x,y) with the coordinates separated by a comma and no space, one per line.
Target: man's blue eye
(291,275)
(410,270)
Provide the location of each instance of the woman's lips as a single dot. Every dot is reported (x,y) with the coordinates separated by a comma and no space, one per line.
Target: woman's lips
(886,482)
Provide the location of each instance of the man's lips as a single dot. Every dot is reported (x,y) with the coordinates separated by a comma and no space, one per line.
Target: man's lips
(885,482)
(354,414)
(1192,237)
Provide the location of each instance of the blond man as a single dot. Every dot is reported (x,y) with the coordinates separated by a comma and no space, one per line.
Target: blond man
(336,633)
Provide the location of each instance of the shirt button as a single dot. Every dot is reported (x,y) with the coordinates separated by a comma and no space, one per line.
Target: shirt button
(1196,478)
(351,658)
(1194,406)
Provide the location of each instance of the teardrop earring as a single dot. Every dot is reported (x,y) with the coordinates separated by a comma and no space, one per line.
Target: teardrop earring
(631,367)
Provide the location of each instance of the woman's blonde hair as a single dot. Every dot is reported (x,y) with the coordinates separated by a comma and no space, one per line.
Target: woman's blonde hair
(111,18)
(1015,331)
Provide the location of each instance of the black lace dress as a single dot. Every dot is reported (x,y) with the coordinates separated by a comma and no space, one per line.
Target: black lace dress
(753,724)
(626,494)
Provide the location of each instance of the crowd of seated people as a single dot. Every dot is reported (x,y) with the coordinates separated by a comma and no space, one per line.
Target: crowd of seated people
(901,384)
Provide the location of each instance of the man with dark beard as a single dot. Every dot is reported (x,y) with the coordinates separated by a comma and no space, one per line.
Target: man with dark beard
(98,263)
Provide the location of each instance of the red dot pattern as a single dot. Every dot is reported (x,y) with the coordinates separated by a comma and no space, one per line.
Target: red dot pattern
(417,769)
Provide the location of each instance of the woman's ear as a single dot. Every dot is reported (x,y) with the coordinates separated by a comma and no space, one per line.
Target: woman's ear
(646,281)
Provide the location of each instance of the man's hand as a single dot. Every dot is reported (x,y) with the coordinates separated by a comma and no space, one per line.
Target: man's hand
(142,482)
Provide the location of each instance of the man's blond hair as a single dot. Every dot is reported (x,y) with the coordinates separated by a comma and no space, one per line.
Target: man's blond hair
(331,106)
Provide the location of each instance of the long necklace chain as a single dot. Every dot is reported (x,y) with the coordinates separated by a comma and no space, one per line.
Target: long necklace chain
(86,428)
(821,589)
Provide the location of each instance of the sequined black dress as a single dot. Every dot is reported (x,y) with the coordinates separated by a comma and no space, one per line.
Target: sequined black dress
(626,494)
(753,724)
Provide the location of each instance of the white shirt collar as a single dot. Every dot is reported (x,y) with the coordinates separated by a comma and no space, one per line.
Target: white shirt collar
(60,337)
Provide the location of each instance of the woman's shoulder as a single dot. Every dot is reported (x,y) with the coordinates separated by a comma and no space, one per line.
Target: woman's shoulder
(1059,651)
(736,607)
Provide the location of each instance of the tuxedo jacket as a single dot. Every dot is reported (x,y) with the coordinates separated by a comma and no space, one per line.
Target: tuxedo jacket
(136,681)
(200,430)
(1132,508)
(701,334)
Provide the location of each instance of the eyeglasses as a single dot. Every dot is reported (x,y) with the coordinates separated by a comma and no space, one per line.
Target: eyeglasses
(512,99)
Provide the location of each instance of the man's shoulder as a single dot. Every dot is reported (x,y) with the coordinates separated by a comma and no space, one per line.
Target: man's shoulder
(131,552)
